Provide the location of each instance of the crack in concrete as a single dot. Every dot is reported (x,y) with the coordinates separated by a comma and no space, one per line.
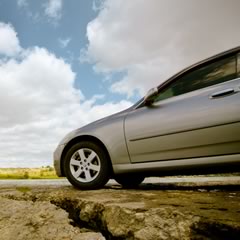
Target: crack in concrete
(114,220)
(211,230)
(92,222)
(201,228)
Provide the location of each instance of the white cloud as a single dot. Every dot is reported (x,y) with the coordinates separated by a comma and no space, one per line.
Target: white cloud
(39,105)
(34,16)
(97,5)
(9,44)
(63,43)
(151,40)
(53,9)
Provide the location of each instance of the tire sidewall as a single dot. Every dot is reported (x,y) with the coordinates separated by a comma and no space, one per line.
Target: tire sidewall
(129,180)
(104,172)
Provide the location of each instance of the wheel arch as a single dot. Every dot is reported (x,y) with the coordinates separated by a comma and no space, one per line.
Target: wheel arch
(81,139)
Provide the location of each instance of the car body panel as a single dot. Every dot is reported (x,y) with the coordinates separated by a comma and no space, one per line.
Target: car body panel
(186,126)
(238,64)
(176,166)
(109,131)
(57,156)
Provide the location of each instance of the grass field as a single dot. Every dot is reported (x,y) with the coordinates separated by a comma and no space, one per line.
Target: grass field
(28,173)
(49,173)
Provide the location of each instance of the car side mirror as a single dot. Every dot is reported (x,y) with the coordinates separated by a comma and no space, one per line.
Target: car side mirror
(151,94)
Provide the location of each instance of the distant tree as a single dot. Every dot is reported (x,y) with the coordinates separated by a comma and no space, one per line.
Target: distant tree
(49,168)
(26,175)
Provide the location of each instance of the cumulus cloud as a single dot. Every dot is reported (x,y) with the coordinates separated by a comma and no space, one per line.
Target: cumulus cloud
(9,43)
(53,9)
(39,105)
(151,40)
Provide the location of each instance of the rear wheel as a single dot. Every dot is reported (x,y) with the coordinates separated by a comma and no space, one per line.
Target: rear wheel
(87,166)
(129,180)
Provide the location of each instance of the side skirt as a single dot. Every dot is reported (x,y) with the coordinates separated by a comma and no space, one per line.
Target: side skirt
(216,164)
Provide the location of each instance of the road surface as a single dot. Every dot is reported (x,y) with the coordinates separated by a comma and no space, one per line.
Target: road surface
(160,208)
(156,181)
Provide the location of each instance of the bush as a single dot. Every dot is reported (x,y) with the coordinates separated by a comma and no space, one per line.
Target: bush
(26,175)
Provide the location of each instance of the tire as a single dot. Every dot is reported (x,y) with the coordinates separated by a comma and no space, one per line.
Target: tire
(87,166)
(129,180)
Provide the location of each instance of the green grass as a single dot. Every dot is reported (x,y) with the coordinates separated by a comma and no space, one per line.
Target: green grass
(28,173)
(23,189)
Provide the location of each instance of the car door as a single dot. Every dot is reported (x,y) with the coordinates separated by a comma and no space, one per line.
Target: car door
(196,115)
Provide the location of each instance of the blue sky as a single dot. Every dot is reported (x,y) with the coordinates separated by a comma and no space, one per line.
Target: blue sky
(66,63)
(34,28)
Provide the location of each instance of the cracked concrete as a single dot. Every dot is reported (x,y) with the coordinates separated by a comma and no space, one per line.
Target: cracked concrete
(148,213)
(21,219)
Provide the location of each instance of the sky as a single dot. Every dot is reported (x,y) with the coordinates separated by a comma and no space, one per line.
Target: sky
(64,64)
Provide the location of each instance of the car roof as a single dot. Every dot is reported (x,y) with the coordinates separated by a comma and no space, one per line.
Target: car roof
(193,66)
(200,63)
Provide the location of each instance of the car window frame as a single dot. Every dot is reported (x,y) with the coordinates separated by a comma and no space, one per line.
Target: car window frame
(218,57)
(205,64)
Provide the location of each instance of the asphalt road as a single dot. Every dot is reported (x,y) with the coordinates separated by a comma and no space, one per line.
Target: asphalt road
(152,182)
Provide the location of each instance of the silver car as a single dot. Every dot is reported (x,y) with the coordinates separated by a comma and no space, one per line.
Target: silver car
(189,124)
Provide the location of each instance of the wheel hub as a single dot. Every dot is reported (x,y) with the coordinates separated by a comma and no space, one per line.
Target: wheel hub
(85,165)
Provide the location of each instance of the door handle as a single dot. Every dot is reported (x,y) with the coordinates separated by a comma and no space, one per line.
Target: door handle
(223,93)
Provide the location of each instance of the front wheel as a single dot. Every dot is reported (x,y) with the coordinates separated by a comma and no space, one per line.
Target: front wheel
(86,166)
(129,180)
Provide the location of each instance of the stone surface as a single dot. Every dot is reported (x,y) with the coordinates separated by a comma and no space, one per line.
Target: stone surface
(147,213)
(27,220)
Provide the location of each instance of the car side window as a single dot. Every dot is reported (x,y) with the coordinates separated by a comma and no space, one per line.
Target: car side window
(210,74)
